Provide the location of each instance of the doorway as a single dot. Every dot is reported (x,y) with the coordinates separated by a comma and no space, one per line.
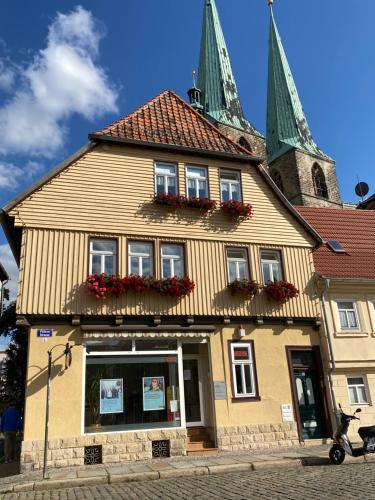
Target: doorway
(309,400)
(194,410)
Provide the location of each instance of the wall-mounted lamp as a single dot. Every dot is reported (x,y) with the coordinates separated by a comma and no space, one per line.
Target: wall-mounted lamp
(241,331)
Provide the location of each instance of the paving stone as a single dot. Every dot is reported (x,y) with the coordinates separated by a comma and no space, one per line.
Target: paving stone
(92,473)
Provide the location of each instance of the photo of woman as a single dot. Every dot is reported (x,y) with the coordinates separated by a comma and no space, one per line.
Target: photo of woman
(153,393)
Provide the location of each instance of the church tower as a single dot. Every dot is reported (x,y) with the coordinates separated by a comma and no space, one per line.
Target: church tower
(301,170)
(219,97)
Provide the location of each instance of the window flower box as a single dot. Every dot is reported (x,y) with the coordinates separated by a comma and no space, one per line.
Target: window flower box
(170,200)
(245,287)
(237,209)
(103,286)
(281,290)
(205,205)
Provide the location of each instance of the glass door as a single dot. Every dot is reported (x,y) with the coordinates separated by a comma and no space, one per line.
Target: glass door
(193,391)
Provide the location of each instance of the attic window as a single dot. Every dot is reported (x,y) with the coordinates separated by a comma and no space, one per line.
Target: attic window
(336,246)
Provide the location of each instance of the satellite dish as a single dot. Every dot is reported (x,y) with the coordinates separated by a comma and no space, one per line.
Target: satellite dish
(361,189)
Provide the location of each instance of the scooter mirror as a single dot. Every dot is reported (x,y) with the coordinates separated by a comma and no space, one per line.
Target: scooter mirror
(358,410)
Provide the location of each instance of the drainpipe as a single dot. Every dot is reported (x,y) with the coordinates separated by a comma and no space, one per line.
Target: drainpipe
(330,348)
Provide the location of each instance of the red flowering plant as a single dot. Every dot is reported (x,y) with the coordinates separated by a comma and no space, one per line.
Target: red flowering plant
(281,290)
(237,209)
(205,205)
(137,284)
(105,285)
(170,200)
(244,287)
(175,286)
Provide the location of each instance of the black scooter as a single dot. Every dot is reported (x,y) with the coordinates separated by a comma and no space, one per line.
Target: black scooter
(342,444)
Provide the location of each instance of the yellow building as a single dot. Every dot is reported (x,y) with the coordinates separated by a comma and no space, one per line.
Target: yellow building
(346,281)
(159,368)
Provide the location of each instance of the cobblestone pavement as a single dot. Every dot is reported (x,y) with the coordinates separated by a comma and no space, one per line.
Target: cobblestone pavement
(347,481)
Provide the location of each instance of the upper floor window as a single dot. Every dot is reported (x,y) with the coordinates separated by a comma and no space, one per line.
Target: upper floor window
(172,260)
(238,266)
(276,177)
(243,370)
(196,182)
(357,391)
(165,178)
(348,315)
(103,255)
(319,181)
(271,265)
(230,185)
(140,257)
(243,142)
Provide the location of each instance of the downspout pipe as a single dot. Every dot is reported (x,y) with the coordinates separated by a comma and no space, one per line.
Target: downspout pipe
(331,351)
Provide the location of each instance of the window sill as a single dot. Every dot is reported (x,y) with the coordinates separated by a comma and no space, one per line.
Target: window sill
(360,404)
(246,399)
(351,334)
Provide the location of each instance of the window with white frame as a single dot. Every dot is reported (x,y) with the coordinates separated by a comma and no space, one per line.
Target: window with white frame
(243,370)
(230,185)
(140,256)
(165,178)
(348,315)
(357,391)
(172,261)
(103,256)
(196,182)
(271,265)
(237,264)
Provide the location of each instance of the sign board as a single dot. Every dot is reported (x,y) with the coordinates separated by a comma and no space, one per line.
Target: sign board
(287,413)
(153,393)
(44,333)
(220,390)
(111,396)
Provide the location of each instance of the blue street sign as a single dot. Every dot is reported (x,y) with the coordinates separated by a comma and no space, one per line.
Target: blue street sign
(44,333)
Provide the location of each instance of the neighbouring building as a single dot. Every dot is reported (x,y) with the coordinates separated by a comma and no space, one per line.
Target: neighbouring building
(345,269)
(368,204)
(4,278)
(157,369)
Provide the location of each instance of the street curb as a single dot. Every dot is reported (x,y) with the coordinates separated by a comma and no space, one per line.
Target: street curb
(110,478)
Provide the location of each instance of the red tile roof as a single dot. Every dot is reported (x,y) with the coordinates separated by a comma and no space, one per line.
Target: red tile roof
(355,230)
(168,119)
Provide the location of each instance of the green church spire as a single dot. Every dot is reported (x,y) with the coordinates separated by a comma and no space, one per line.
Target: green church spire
(219,97)
(287,126)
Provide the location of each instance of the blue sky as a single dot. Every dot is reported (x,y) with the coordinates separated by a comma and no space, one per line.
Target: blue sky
(129,51)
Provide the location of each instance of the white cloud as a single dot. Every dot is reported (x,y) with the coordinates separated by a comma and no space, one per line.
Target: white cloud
(10,266)
(63,79)
(7,75)
(11,175)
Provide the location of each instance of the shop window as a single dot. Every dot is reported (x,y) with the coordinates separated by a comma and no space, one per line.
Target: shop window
(271,265)
(243,370)
(165,178)
(103,256)
(140,256)
(196,182)
(230,185)
(132,391)
(357,391)
(237,263)
(172,261)
(348,315)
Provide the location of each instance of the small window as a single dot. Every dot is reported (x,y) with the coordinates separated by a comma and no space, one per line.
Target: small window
(348,315)
(196,182)
(319,181)
(165,178)
(237,263)
(336,246)
(357,391)
(103,254)
(271,266)
(230,185)
(244,143)
(172,261)
(243,370)
(140,258)
(277,179)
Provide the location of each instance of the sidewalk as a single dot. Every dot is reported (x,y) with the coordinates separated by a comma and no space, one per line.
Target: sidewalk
(169,467)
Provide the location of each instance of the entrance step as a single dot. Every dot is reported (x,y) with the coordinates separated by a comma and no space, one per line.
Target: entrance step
(199,442)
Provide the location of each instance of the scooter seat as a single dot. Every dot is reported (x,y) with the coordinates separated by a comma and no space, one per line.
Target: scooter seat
(366,432)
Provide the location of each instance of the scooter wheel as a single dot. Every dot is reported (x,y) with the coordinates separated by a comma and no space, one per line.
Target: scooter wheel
(336,455)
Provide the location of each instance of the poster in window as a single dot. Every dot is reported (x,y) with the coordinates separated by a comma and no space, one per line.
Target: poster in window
(111,396)
(153,393)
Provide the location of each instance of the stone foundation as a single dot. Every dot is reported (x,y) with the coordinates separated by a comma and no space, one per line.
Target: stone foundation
(116,448)
(251,437)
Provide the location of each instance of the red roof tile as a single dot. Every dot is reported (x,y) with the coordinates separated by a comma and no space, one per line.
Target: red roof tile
(168,119)
(355,230)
